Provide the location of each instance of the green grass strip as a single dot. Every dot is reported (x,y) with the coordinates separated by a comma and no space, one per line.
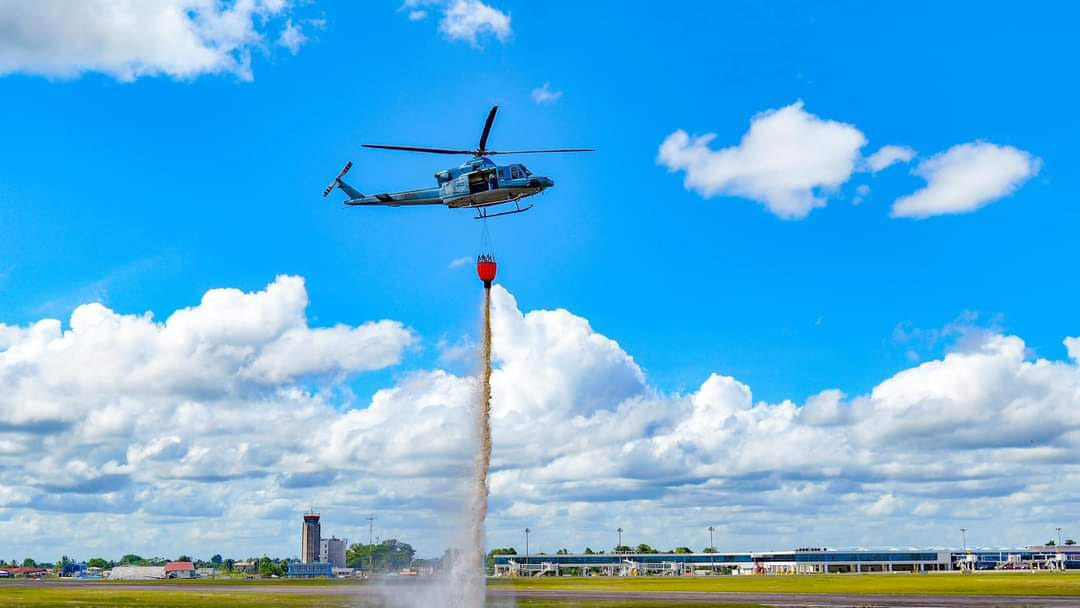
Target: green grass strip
(1021,584)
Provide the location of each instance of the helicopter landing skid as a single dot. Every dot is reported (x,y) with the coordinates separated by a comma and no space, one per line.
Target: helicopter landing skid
(482,213)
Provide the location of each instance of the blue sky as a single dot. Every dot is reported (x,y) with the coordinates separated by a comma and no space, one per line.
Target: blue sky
(142,190)
(209,181)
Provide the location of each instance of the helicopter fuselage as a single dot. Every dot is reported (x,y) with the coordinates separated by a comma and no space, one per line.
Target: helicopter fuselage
(476,183)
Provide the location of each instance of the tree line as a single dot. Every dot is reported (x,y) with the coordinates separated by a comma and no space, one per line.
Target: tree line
(642,548)
(265,564)
(390,555)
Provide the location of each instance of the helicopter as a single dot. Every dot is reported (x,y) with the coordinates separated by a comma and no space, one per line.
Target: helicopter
(477,184)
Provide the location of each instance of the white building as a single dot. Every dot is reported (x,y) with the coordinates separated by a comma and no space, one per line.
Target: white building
(135,573)
(797,561)
(333,550)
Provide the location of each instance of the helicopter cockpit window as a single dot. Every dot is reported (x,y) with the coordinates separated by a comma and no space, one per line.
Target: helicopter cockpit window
(515,171)
(525,170)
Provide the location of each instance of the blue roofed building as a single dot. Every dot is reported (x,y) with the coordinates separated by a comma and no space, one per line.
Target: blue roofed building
(311,570)
(799,561)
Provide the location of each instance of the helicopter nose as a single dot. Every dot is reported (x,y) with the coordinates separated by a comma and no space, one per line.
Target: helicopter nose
(547,181)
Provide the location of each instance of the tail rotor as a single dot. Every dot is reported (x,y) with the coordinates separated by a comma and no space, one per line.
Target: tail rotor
(337,180)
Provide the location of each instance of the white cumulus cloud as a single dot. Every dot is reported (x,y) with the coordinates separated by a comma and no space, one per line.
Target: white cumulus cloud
(1072,345)
(211,431)
(464,20)
(231,344)
(467,19)
(128,39)
(544,95)
(789,160)
(861,192)
(888,156)
(292,37)
(967,177)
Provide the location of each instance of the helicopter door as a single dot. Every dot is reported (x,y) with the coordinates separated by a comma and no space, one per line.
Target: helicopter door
(481,181)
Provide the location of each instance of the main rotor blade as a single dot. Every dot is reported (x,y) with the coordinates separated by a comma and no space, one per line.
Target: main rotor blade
(487,128)
(414,149)
(492,152)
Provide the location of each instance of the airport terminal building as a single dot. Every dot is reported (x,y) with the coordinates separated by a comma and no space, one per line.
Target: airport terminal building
(799,561)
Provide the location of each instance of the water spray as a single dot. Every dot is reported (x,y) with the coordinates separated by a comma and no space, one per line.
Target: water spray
(467,567)
(464,584)
(485,270)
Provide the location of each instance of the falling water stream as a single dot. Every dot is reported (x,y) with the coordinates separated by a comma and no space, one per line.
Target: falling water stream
(466,584)
(479,499)
(463,584)
(467,569)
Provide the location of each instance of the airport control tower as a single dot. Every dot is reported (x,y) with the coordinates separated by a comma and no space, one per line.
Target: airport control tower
(310,536)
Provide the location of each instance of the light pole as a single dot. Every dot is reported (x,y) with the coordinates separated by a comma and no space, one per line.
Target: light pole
(712,552)
(1059,538)
(371,545)
(964,564)
(619,547)
(527,545)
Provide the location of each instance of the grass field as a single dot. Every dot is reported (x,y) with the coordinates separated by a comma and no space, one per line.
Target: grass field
(224,582)
(38,597)
(332,594)
(1035,584)
(103,597)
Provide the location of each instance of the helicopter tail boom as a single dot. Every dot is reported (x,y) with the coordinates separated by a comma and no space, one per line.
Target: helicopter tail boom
(339,183)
